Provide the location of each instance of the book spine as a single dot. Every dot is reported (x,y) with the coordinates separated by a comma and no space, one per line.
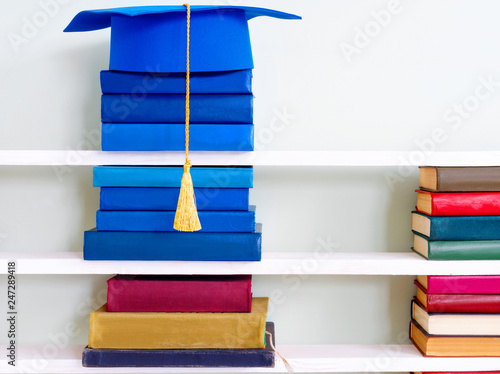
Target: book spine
(171,137)
(181,357)
(160,108)
(464,250)
(171,246)
(151,176)
(180,330)
(465,204)
(143,198)
(455,284)
(469,179)
(224,221)
(463,303)
(465,228)
(209,294)
(229,82)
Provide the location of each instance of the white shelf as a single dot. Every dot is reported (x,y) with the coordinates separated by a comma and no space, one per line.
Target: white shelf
(257,158)
(374,263)
(303,359)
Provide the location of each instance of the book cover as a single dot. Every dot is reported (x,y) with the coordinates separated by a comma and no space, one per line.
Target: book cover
(172,246)
(222,82)
(457,249)
(162,108)
(157,198)
(457,303)
(179,330)
(457,324)
(170,137)
(458,203)
(93,357)
(460,284)
(171,176)
(456,227)
(222,221)
(453,346)
(460,179)
(180,293)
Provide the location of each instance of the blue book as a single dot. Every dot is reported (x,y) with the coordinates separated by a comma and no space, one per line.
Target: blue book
(171,137)
(235,82)
(222,221)
(171,176)
(456,227)
(171,246)
(143,198)
(214,358)
(161,108)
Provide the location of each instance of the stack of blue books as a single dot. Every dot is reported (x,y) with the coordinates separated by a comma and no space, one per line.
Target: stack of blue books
(146,111)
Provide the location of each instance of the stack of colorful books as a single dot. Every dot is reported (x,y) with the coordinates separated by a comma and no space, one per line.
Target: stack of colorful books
(177,321)
(457,218)
(180,321)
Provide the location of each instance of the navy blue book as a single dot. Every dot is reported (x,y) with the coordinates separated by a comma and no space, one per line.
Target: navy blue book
(182,357)
(221,221)
(456,227)
(171,137)
(235,82)
(172,246)
(153,198)
(162,108)
(171,176)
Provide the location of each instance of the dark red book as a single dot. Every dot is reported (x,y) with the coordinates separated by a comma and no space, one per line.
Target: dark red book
(458,203)
(457,303)
(177,293)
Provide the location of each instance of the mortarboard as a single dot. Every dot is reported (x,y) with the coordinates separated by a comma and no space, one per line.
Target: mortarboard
(153,38)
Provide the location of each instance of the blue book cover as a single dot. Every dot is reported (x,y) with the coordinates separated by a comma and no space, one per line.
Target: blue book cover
(171,137)
(154,198)
(171,176)
(161,108)
(182,357)
(235,82)
(171,246)
(456,227)
(222,221)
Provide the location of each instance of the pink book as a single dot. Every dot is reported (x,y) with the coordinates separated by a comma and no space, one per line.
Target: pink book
(460,284)
(178,293)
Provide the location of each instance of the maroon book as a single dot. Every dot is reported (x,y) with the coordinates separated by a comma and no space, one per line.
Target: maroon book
(179,293)
(457,303)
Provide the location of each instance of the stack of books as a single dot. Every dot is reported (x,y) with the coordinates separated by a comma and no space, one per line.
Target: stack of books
(177,321)
(180,321)
(457,218)
(458,213)
(456,316)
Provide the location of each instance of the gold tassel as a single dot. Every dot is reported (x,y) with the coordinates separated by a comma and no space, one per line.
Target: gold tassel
(186,216)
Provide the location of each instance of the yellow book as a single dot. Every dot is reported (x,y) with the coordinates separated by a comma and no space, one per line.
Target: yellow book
(179,330)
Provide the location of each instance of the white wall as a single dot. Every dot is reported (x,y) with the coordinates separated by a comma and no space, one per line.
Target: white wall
(391,95)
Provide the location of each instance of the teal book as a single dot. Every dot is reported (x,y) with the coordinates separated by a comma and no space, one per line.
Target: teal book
(457,249)
(171,176)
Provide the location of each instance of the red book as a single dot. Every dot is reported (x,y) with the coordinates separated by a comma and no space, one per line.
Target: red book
(175,293)
(460,284)
(459,203)
(457,303)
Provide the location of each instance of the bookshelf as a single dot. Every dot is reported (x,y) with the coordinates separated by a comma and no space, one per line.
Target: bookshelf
(303,358)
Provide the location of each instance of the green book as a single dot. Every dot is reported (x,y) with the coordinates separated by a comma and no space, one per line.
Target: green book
(457,249)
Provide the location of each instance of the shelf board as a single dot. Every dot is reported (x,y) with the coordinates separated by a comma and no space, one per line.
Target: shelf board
(303,359)
(371,263)
(257,158)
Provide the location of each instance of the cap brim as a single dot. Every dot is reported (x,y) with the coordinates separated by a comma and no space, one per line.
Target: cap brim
(98,19)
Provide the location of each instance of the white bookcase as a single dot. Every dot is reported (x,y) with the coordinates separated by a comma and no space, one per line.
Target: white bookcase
(303,358)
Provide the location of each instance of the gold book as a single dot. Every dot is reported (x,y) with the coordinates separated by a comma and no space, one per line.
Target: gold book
(179,330)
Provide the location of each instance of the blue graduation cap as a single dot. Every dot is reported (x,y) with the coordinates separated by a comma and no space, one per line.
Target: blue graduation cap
(153,38)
